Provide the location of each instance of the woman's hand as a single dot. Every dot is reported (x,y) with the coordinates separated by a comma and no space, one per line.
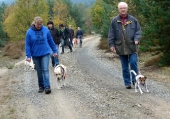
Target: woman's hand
(55,55)
(28,59)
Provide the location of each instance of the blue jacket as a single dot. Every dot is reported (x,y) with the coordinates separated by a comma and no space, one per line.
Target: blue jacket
(123,37)
(79,33)
(39,42)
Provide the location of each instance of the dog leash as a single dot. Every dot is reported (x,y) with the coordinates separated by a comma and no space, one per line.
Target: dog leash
(137,53)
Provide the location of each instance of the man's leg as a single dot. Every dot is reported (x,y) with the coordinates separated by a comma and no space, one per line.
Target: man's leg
(125,69)
(69,45)
(62,45)
(52,59)
(57,58)
(133,61)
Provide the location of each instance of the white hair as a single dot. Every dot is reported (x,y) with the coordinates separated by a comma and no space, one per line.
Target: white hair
(122,3)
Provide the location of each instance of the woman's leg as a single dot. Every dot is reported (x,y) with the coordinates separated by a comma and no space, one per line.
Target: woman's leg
(37,62)
(45,70)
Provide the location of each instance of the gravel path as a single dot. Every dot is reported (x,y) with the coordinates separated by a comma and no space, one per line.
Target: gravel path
(94,90)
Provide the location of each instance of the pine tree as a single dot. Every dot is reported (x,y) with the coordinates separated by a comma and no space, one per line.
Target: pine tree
(155,30)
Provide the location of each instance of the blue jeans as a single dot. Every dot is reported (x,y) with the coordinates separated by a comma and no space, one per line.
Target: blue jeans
(42,68)
(55,60)
(80,40)
(127,60)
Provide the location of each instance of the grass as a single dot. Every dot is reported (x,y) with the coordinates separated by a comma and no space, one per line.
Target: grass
(10,66)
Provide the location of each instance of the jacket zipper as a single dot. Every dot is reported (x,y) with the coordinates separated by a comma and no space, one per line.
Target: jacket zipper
(123,36)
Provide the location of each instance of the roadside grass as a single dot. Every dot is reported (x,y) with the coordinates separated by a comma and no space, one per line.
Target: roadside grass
(9,55)
(6,110)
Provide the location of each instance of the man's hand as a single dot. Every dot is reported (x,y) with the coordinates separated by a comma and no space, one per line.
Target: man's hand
(112,49)
(136,42)
(55,55)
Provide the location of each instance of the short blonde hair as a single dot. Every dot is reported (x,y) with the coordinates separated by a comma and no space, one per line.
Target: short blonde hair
(37,19)
(120,3)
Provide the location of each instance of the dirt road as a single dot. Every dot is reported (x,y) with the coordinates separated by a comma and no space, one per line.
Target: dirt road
(94,90)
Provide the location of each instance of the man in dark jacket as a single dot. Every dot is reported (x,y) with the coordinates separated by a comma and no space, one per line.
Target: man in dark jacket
(71,34)
(65,36)
(56,37)
(79,35)
(124,36)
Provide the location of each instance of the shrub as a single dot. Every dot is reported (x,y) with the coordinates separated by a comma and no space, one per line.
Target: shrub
(14,49)
(152,61)
(104,45)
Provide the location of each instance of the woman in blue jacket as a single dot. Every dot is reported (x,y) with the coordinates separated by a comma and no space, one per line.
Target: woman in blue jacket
(38,45)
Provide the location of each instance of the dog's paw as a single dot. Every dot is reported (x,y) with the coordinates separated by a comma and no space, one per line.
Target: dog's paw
(59,88)
(141,92)
(147,91)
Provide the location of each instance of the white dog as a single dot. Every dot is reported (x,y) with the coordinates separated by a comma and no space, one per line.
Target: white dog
(60,72)
(29,65)
(140,80)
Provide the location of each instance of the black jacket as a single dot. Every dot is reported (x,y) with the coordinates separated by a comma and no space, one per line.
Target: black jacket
(71,33)
(65,34)
(55,34)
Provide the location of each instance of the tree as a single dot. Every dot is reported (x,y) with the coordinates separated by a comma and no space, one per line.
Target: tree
(155,30)
(101,17)
(20,16)
(51,5)
(61,13)
(3,36)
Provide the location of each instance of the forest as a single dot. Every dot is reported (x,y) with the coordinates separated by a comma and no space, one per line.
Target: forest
(153,16)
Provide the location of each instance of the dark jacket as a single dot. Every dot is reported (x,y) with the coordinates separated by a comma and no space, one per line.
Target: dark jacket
(123,38)
(55,34)
(65,34)
(79,33)
(71,33)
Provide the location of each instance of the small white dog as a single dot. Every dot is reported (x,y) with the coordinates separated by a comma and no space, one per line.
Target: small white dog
(60,72)
(29,65)
(140,80)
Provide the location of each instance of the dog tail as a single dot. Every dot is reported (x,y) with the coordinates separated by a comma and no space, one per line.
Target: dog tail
(132,71)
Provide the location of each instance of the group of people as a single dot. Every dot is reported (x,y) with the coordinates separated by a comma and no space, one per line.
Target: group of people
(124,35)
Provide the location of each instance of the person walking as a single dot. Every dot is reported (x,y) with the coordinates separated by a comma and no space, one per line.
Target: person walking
(123,37)
(71,35)
(38,45)
(65,35)
(79,36)
(56,37)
